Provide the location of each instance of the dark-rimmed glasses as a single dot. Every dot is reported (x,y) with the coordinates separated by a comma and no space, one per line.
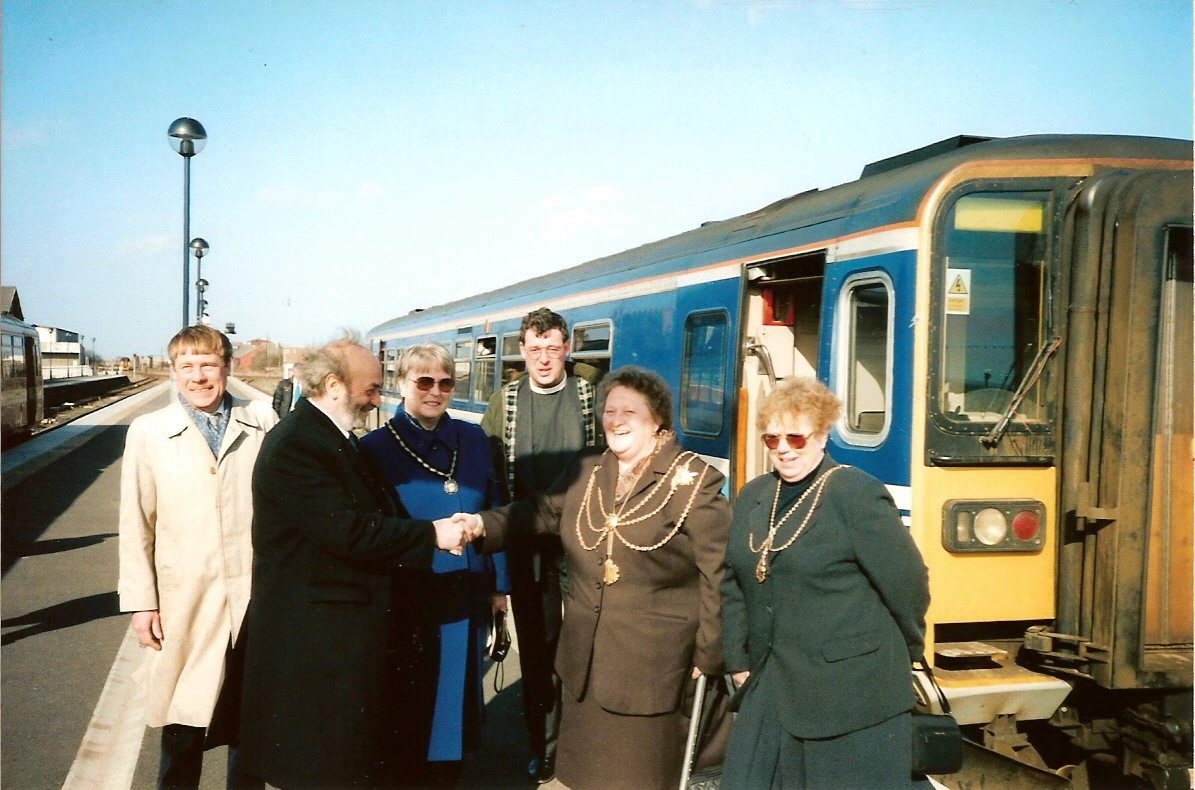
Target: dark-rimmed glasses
(425,383)
(795,440)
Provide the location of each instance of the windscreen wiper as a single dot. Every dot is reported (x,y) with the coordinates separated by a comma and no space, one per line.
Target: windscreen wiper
(1031,376)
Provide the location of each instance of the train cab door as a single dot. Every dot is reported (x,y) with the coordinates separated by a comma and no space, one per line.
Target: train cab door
(781,332)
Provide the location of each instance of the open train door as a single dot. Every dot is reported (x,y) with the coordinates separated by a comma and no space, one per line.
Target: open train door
(1125,572)
(781,334)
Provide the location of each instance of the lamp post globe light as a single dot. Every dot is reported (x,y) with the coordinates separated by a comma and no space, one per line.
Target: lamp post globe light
(199,247)
(187,137)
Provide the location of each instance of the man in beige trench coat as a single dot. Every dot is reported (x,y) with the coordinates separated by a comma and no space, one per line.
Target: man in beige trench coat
(186,553)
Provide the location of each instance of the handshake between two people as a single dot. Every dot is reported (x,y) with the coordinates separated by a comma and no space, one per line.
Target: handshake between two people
(457,531)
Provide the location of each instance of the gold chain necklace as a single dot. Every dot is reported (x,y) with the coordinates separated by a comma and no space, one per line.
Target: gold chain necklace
(765,547)
(450,485)
(612,521)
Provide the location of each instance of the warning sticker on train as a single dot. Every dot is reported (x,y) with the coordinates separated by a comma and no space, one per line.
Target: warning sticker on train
(958,291)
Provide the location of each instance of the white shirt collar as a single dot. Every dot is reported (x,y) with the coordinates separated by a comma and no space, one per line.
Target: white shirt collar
(550,390)
(328,414)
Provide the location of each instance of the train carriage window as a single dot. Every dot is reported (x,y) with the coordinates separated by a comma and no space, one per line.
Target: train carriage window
(18,357)
(591,345)
(10,355)
(865,374)
(463,359)
(389,359)
(512,361)
(994,305)
(483,372)
(703,377)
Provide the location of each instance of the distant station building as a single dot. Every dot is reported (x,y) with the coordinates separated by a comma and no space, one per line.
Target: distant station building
(256,356)
(63,353)
(265,356)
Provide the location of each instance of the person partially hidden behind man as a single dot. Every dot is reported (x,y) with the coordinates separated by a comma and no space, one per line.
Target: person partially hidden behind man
(536,423)
(330,651)
(186,555)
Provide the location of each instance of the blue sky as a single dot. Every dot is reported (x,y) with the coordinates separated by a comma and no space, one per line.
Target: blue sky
(369,157)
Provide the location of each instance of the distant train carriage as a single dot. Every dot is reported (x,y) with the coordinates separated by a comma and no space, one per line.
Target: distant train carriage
(1009,325)
(22,393)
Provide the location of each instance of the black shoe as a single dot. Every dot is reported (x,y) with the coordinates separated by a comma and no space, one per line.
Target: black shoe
(542,770)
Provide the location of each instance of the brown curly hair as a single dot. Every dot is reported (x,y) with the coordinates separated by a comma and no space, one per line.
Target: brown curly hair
(650,385)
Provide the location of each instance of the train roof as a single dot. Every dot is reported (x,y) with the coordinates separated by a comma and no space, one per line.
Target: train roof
(888,191)
(14,326)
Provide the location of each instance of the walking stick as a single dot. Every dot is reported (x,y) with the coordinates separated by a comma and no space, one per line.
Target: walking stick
(694,724)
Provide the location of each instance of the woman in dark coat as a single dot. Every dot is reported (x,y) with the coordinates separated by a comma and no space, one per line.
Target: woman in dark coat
(439,466)
(823,607)
(644,527)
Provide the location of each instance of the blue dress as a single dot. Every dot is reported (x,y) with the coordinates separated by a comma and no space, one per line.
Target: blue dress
(456,599)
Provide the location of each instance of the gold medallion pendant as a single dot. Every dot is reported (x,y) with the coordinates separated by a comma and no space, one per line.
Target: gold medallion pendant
(761,568)
(612,521)
(609,572)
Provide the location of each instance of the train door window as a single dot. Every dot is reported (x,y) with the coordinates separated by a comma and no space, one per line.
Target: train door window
(591,345)
(864,372)
(993,304)
(512,361)
(703,377)
(483,371)
(462,356)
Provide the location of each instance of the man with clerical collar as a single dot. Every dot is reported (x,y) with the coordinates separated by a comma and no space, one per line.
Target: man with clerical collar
(536,423)
(186,553)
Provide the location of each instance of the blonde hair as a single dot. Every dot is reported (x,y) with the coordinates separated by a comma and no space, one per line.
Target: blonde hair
(427,354)
(796,396)
(200,339)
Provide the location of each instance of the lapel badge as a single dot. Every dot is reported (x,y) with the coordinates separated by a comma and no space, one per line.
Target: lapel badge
(683,477)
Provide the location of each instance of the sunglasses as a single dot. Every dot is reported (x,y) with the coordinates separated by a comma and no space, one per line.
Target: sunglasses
(795,440)
(425,383)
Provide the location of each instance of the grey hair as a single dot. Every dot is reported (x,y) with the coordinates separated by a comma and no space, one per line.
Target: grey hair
(428,354)
(332,359)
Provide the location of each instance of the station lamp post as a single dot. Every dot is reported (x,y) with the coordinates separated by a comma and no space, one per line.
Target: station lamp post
(200,247)
(187,137)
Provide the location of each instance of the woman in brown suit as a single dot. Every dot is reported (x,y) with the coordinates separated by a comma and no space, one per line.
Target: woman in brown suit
(644,527)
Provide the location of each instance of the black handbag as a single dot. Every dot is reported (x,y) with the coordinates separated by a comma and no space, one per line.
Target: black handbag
(937,740)
(498,644)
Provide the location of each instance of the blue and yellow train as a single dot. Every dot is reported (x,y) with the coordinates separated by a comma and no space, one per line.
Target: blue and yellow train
(1009,325)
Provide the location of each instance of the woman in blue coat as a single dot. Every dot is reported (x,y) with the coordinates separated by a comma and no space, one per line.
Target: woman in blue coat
(439,465)
(823,610)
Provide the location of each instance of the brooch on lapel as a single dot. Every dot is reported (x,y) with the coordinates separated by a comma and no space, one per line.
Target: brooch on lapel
(684,476)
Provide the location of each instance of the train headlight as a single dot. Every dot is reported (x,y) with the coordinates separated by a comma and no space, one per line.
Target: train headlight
(991,527)
(970,525)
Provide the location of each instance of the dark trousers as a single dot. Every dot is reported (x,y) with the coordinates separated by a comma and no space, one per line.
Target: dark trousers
(538,585)
(183,746)
(182,761)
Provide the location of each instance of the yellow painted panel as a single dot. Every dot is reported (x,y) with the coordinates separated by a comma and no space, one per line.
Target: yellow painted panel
(982,587)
